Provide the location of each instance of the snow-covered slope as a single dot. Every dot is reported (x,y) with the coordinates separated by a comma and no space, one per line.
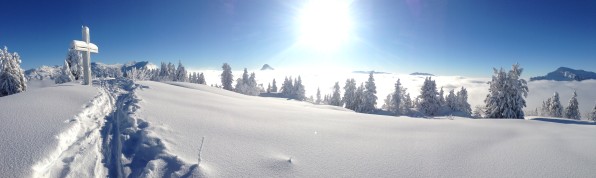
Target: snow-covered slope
(270,137)
(37,125)
(567,74)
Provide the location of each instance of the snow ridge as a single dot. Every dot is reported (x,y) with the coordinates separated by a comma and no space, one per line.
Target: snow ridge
(78,150)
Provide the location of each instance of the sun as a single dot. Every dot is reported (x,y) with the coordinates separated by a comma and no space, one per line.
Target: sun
(325,24)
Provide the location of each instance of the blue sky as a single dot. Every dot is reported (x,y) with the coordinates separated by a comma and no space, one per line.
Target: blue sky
(457,37)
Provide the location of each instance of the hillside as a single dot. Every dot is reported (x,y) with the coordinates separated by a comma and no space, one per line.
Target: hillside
(153,129)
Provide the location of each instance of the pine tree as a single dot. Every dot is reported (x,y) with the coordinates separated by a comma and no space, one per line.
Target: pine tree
(335,99)
(227,77)
(274,87)
(12,79)
(370,95)
(360,98)
(408,104)
(506,94)
(349,94)
(74,59)
(451,101)
(318,101)
(556,109)
(396,99)
(299,92)
(592,115)
(441,98)
(65,75)
(462,101)
(269,88)
(572,110)
(429,97)
(201,79)
(287,87)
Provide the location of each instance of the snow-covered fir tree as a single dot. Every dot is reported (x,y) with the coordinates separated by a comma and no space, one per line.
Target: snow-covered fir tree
(441,98)
(462,101)
(572,110)
(556,108)
(451,101)
(397,99)
(181,73)
(201,79)
(226,77)
(360,98)
(429,98)
(65,74)
(74,59)
(12,79)
(545,109)
(506,94)
(370,95)
(335,99)
(592,115)
(299,92)
(247,84)
(268,88)
(407,104)
(318,101)
(274,86)
(287,87)
(350,94)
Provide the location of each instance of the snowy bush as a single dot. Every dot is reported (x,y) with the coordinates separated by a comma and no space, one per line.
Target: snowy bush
(12,79)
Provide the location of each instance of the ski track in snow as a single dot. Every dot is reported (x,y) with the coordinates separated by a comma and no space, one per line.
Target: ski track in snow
(107,139)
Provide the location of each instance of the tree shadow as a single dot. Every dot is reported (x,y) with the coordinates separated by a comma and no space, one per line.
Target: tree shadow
(565,121)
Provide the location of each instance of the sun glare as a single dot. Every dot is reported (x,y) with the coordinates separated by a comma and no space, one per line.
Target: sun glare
(325,24)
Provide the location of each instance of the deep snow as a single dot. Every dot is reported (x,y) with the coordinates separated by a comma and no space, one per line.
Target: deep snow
(269,137)
(152,129)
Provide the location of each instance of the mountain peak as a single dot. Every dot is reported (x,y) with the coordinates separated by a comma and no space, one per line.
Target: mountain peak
(267,67)
(566,74)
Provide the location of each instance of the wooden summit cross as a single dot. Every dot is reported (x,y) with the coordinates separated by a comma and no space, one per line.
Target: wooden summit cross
(87,48)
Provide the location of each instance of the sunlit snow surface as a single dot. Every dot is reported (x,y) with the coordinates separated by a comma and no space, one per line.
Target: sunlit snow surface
(250,136)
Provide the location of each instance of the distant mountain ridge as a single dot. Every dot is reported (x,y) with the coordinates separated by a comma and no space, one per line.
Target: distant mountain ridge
(422,73)
(566,74)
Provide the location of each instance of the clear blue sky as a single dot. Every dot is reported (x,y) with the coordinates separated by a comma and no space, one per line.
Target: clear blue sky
(455,37)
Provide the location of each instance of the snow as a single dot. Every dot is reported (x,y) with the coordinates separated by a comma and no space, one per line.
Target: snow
(33,123)
(248,136)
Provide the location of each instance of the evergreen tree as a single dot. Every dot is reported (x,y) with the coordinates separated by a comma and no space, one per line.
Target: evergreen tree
(269,88)
(299,92)
(370,95)
(451,101)
(201,79)
(441,98)
(335,99)
(318,101)
(592,116)
(556,109)
(74,59)
(350,94)
(506,94)
(287,87)
(227,77)
(274,87)
(359,101)
(12,79)
(396,102)
(462,101)
(180,73)
(407,104)
(572,110)
(65,74)
(429,98)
